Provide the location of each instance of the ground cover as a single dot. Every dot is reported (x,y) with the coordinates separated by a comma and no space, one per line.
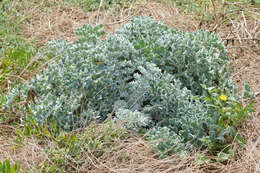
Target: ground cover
(241,33)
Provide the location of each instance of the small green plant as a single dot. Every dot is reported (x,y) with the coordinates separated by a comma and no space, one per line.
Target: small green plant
(230,113)
(7,167)
(14,60)
(15,51)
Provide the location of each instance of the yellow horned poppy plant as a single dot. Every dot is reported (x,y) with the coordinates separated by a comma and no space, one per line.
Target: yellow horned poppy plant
(223,97)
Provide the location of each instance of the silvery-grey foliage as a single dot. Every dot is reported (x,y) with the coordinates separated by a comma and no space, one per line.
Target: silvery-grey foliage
(149,75)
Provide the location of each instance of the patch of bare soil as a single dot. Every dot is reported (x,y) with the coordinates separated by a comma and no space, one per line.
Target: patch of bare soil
(135,155)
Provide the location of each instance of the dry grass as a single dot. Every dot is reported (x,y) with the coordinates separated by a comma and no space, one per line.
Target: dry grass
(29,155)
(61,21)
(135,154)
